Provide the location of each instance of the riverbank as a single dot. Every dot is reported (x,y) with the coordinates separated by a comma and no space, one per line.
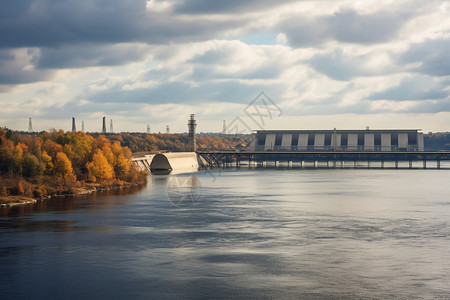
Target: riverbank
(16,200)
(8,201)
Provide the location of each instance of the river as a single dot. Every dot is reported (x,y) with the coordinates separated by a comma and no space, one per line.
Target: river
(237,233)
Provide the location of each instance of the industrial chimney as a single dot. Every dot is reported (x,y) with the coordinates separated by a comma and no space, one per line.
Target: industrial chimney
(74,127)
(104,125)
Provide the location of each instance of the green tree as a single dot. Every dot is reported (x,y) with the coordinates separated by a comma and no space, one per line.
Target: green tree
(31,166)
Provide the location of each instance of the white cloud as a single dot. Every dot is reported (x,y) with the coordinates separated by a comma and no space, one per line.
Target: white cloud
(165,59)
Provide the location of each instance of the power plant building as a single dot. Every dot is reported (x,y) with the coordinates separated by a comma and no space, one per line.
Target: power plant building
(337,140)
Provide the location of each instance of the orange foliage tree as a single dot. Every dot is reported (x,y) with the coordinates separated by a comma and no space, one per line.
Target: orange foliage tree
(99,168)
(63,168)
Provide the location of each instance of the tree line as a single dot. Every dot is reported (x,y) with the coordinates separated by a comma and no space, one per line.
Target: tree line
(36,165)
(142,142)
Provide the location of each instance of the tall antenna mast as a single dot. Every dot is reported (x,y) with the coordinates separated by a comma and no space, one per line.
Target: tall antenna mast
(30,126)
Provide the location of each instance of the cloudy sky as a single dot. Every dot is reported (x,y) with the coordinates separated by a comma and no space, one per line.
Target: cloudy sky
(325,63)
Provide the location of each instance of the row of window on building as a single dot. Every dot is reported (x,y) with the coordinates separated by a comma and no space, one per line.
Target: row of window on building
(411,140)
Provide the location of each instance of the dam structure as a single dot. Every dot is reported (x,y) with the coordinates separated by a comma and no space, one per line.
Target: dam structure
(170,161)
(337,140)
(395,148)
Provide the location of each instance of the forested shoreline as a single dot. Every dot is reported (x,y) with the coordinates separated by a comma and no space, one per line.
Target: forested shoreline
(56,163)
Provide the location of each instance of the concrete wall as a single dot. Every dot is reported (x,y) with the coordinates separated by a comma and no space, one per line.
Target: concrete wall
(318,143)
(352,143)
(369,142)
(338,141)
(176,161)
(286,141)
(303,142)
(270,142)
(253,142)
(385,142)
(403,140)
(420,144)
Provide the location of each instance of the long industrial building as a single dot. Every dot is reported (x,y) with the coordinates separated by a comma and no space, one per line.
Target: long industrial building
(337,140)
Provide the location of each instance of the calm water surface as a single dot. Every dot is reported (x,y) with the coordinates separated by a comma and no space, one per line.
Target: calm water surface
(262,234)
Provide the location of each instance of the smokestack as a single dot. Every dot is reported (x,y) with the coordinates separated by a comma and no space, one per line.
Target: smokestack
(111,130)
(82,126)
(167,129)
(74,127)
(104,125)
(148,128)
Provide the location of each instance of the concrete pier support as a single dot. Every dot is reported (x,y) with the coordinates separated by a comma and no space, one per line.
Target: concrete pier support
(424,164)
(410,164)
(438,164)
(396,164)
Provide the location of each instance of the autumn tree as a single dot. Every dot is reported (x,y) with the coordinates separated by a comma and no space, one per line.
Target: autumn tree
(47,163)
(63,168)
(99,169)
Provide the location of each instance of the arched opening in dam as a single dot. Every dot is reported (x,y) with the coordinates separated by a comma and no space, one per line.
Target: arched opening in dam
(160,163)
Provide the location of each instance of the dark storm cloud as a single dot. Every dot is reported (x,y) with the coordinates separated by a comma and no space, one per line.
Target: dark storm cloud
(345,26)
(228,6)
(433,56)
(54,23)
(88,56)
(415,88)
(18,67)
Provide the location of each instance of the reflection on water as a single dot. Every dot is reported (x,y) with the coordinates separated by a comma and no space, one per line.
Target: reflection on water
(69,203)
(260,234)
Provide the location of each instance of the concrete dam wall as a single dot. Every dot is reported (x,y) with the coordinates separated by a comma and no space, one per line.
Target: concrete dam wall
(173,161)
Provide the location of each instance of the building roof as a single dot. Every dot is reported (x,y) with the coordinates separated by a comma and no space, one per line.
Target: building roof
(340,131)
